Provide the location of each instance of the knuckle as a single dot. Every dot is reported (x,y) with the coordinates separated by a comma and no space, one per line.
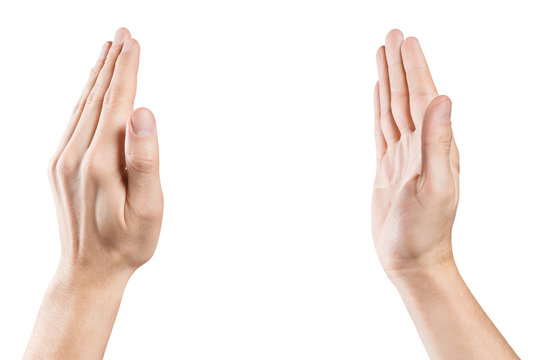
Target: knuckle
(152,213)
(112,98)
(149,211)
(51,168)
(399,95)
(77,108)
(441,190)
(441,137)
(92,166)
(379,138)
(445,138)
(422,97)
(94,98)
(386,111)
(66,167)
(94,72)
(142,161)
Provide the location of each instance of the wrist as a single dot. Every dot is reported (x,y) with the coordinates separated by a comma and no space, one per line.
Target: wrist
(423,272)
(414,259)
(83,279)
(428,283)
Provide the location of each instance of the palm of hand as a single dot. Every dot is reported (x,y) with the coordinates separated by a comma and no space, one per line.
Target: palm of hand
(413,206)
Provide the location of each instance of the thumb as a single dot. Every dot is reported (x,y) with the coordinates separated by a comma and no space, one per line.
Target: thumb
(436,143)
(144,196)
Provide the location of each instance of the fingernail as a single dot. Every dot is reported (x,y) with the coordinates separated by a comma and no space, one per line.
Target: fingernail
(118,36)
(142,123)
(104,50)
(127,45)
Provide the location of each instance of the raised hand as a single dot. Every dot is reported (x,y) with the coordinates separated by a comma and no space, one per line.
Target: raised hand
(415,197)
(105,172)
(109,202)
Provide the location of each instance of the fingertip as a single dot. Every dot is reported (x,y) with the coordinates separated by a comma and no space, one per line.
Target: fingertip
(143,122)
(125,31)
(144,109)
(445,108)
(440,108)
(104,50)
(445,98)
(381,53)
(380,58)
(410,44)
(130,45)
(142,153)
(441,100)
(411,40)
(395,32)
(394,36)
(135,46)
(121,35)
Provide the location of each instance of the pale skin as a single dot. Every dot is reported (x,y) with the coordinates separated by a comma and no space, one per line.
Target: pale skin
(415,198)
(106,185)
(105,180)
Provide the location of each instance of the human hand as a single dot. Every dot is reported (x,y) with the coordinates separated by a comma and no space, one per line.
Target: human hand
(416,187)
(109,203)
(105,175)
(414,204)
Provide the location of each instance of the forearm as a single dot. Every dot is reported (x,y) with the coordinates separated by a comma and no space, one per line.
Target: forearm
(451,323)
(77,315)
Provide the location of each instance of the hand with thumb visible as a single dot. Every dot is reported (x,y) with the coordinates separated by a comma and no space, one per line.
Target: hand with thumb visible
(415,194)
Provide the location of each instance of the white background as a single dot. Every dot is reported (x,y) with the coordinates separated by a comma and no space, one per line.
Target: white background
(264,113)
